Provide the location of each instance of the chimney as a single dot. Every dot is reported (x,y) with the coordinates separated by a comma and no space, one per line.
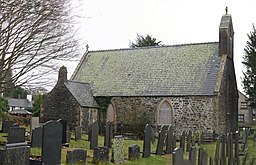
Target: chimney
(62,75)
(226,36)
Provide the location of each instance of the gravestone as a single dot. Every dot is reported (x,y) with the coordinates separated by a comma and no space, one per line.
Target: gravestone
(217,152)
(16,135)
(108,134)
(15,156)
(64,130)
(76,155)
(36,139)
(6,125)
(118,150)
(94,135)
(178,157)
(51,143)
(223,154)
(202,157)
(134,152)
(174,141)
(236,154)
(78,133)
(182,140)
(189,140)
(146,141)
(192,155)
(169,143)
(101,154)
(34,123)
(161,140)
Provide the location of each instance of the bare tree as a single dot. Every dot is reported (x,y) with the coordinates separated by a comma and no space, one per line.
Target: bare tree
(35,35)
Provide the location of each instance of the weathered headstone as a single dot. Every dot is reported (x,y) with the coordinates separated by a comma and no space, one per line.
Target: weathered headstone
(15,156)
(178,157)
(16,135)
(146,142)
(174,141)
(118,150)
(78,133)
(134,152)
(64,130)
(51,143)
(189,140)
(36,139)
(169,143)
(6,125)
(161,139)
(108,134)
(76,155)
(94,135)
(236,155)
(101,154)
(34,123)
(192,155)
(182,140)
(223,154)
(217,152)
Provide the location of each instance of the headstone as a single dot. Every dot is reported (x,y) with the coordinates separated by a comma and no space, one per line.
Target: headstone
(15,156)
(36,139)
(146,141)
(6,125)
(192,155)
(182,140)
(174,141)
(108,134)
(134,152)
(236,156)
(217,151)
(169,143)
(94,135)
(118,150)
(189,140)
(76,155)
(64,130)
(34,123)
(101,154)
(78,133)
(16,135)
(202,157)
(51,143)
(223,154)
(161,140)
(178,157)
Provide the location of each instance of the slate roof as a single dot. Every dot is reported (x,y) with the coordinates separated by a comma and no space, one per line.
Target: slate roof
(177,70)
(20,111)
(82,93)
(19,103)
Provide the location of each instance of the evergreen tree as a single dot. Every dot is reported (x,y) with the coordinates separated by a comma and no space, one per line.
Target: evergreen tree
(249,79)
(142,41)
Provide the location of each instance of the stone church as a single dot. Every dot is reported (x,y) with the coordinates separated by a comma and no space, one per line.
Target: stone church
(191,86)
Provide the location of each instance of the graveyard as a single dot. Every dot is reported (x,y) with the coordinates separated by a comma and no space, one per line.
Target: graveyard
(48,145)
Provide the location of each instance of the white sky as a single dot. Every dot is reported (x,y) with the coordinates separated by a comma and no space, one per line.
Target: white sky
(112,24)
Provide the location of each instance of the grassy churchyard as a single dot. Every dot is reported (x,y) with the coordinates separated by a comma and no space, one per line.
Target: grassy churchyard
(153,159)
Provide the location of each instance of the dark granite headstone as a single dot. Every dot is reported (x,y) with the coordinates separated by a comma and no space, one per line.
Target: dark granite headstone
(202,157)
(6,125)
(16,135)
(94,135)
(146,142)
(134,152)
(15,156)
(217,151)
(161,140)
(36,139)
(169,146)
(101,154)
(51,143)
(189,140)
(76,155)
(108,134)
(182,140)
(64,130)
(78,133)
(223,154)
(236,154)
(174,141)
(178,157)
(192,155)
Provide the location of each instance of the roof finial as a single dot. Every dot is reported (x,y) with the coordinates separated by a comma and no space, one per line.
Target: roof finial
(226,10)
(87,47)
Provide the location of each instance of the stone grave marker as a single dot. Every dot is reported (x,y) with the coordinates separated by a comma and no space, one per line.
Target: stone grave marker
(15,156)
(36,138)
(189,140)
(16,135)
(108,134)
(174,141)
(146,141)
(78,133)
(236,154)
(192,155)
(94,135)
(65,130)
(202,157)
(161,140)
(101,154)
(169,143)
(6,125)
(223,154)
(134,152)
(217,151)
(182,140)
(118,150)
(34,123)
(76,155)
(51,143)
(178,157)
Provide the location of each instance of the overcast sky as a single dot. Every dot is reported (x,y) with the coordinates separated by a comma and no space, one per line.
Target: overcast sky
(112,24)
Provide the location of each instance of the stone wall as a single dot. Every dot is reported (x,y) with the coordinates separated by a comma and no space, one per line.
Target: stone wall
(190,112)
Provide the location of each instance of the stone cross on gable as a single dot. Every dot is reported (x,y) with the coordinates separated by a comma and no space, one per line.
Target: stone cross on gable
(226,10)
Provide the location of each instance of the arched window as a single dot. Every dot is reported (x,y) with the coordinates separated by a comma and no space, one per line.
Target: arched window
(165,114)
(111,113)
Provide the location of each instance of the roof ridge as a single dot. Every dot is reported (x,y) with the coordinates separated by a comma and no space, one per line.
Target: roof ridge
(72,81)
(150,47)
